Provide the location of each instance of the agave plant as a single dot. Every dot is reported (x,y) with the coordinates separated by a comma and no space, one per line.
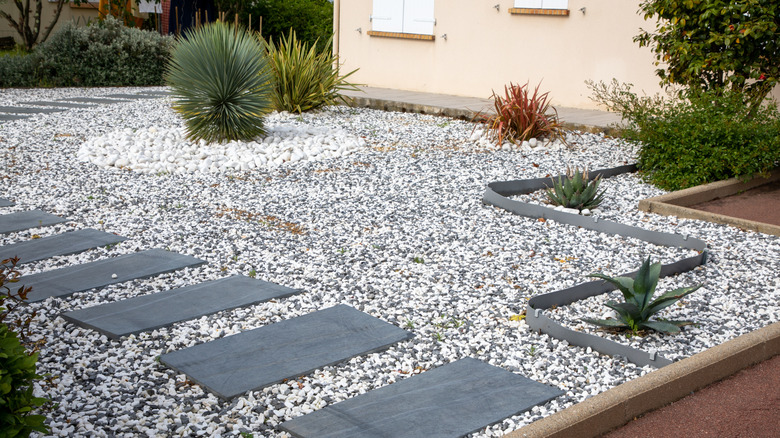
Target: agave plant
(304,78)
(522,115)
(220,83)
(576,190)
(634,314)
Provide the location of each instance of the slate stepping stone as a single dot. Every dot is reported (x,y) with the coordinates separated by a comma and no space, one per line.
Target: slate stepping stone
(257,358)
(450,401)
(79,278)
(28,110)
(60,104)
(91,100)
(10,117)
(162,309)
(124,96)
(10,223)
(157,93)
(6,202)
(71,242)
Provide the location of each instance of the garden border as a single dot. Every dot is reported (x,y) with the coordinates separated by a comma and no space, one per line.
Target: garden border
(497,194)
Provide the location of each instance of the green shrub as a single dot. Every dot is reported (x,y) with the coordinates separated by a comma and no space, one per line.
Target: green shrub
(698,138)
(105,53)
(18,71)
(18,355)
(312,20)
(521,115)
(634,314)
(220,83)
(304,78)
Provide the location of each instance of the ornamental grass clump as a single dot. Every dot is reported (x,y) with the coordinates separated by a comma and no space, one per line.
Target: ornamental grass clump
(220,83)
(634,314)
(522,114)
(576,190)
(305,78)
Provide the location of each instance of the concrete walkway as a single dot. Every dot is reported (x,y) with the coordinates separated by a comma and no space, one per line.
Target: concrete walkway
(466,107)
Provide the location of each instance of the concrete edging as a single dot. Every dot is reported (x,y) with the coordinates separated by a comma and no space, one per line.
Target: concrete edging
(677,203)
(621,404)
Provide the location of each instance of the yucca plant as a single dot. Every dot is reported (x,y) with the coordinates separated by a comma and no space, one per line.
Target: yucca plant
(522,114)
(305,78)
(576,191)
(220,83)
(634,314)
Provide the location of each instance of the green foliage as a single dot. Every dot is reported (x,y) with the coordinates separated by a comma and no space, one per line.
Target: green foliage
(311,20)
(18,71)
(521,115)
(105,53)
(634,314)
(18,355)
(304,78)
(220,79)
(696,139)
(716,44)
(576,190)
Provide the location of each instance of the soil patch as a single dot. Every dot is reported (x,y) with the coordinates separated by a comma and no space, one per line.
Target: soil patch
(761,204)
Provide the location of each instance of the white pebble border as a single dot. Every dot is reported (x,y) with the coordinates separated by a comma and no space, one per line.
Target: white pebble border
(395,228)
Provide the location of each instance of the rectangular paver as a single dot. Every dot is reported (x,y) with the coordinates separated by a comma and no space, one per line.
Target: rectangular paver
(257,358)
(450,401)
(79,278)
(153,311)
(10,117)
(60,104)
(6,202)
(91,100)
(13,222)
(126,96)
(28,110)
(71,242)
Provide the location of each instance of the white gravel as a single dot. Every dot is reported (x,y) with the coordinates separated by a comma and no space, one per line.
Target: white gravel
(395,228)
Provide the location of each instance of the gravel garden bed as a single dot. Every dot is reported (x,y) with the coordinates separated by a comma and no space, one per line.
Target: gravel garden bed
(392,225)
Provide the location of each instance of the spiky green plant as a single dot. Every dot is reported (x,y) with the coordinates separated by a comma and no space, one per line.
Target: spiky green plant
(576,191)
(304,78)
(634,314)
(220,83)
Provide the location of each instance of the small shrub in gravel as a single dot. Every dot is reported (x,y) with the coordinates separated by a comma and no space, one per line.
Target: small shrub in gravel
(522,114)
(220,83)
(103,54)
(18,71)
(18,357)
(698,138)
(575,190)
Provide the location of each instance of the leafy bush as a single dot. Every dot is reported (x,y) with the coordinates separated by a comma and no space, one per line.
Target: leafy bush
(304,78)
(522,115)
(312,20)
(18,71)
(220,82)
(18,355)
(699,138)
(634,314)
(576,190)
(106,53)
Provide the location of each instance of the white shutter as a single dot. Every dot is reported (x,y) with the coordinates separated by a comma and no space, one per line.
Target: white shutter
(388,16)
(418,17)
(533,4)
(555,4)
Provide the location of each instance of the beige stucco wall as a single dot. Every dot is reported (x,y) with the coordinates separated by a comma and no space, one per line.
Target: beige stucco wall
(486,49)
(79,14)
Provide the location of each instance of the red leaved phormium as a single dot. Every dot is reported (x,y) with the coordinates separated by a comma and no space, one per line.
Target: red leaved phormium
(521,115)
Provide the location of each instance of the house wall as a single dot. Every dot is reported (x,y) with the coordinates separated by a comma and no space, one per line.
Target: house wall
(79,14)
(486,49)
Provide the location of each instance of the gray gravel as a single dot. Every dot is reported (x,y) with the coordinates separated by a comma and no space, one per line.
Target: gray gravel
(395,229)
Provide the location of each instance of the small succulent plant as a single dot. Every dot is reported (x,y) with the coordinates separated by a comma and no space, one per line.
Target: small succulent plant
(634,314)
(576,191)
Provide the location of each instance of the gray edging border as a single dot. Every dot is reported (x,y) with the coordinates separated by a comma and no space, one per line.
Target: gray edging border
(677,203)
(496,194)
(619,405)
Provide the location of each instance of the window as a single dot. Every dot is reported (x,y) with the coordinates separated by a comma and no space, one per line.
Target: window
(402,17)
(542,4)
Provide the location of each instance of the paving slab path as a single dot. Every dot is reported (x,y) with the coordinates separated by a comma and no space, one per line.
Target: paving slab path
(71,242)
(23,220)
